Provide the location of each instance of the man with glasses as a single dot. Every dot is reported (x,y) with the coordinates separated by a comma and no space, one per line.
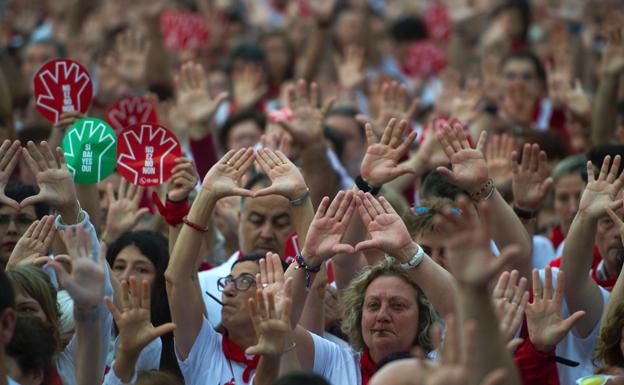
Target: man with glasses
(14,223)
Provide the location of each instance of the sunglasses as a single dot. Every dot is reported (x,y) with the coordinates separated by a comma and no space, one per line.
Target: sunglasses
(596,379)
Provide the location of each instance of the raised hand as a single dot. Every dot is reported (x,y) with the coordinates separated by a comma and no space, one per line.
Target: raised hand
(531,180)
(286,179)
(351,68)
(123,211)
(9,157)
(131,49)
(469,168)
(612,62)
(183,180)
(272,326)
(249,86)
(56,183)
(381,161)
(601,193)
(328,227)
(497,152)
(544,323)
(394,103)
(223,179)
(271,280)
(469,255)
(85,284)
(193,100)
(35,242)
(510,299)
(306,127)
(617,221)
(133,319)
(385,226)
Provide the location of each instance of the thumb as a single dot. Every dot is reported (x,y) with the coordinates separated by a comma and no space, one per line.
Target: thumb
(253,350)
(244,192)
(343,248)
(163,329)
(266,191)
(31,200)
(568,323)
(446,172)
(139,214)
(366,245)
(10,202)
(403,169)
(61,274)
(222,97)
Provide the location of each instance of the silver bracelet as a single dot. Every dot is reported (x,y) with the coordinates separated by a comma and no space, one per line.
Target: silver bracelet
(416,259)
(301,200)
(290,348)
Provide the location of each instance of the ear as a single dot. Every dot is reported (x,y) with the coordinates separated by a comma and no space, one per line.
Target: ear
(7,325)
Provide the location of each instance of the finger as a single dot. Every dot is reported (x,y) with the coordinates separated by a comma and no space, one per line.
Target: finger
(163,329)
(590,172)
(278,270)
(113,309)
(548,284)
(272,313)
(370,136)
(405,145)
(32,200)
(481,142)
(47,155)
(461,135)
(30,161)
(397,134)
(386,207)
(135,293)
(388,131)
(604,169)
(617,220)
(501,285)
(322,209)
(242,157)
(346,218)
(364,214)
(534,159)
(445,144)
(333,207)
(569,322)
(344,205)
(497,377)
(30,229)
(342,248)
(519,291)
(376,205)
(367,245)
(146,297)
(615,168)
(537,286)
(451,136)
(9,150)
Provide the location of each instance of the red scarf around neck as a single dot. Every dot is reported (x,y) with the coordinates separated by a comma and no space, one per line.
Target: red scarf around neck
(367,367)
(234,353)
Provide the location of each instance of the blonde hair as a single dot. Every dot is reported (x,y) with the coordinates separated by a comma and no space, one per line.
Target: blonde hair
(353,303)
(421,223)
(607,350)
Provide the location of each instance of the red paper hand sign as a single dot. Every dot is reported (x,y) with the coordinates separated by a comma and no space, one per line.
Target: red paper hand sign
(62,85)
(183,30)
(146,153)
(130,111)
(424,58)
(438,22)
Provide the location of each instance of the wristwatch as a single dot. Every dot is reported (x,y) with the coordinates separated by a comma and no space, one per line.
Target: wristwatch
(362,185)
(416,259)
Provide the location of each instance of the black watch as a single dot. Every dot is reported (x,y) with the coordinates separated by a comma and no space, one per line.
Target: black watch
(363,186)
(524,214)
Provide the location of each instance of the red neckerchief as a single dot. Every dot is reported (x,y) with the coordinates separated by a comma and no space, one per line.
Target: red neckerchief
(233,353)
(53,377)
(367,367)
(556,236)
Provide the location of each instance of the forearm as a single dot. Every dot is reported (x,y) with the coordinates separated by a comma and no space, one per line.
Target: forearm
(89,362)
(157,56)
(267,370)
(507,230)
(313,315)
(88,197)
(319,173)
(313,54)
(124,366)
(605,111)
(475,305)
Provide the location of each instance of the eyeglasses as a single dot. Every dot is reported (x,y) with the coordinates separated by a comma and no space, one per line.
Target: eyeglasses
(596,379)
(424,209)
(526,76)
(242,283)
(20,220)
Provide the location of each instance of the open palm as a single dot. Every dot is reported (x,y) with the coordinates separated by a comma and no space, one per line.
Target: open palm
(223,178)
(601,193)
(469,168)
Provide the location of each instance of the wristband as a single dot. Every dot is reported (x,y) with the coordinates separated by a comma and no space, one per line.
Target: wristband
(485,192)
(415,260)
(301,200)
(308,268)
(172,212)
(195,226)
(524,214)
(364,186)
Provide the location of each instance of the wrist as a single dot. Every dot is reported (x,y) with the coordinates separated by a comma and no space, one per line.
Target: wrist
(406,252)
(309,258)
(125,362)
(299,192)
(70,212)
(484,191)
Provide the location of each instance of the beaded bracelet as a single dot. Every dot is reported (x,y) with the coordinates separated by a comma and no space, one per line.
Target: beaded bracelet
(195,226)
(308,269)
(485,192)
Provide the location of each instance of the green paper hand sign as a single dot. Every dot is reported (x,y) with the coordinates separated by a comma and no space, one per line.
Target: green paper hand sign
(90,148)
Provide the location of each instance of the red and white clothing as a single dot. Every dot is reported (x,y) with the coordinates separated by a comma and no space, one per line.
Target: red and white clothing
(214,359)
(339,365)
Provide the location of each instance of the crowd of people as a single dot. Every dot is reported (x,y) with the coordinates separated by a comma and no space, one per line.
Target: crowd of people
(370,192)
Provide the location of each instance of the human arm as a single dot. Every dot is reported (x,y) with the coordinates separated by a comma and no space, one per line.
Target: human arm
(134,326)
(185,300)
(66,120)
(473,265)
(389,234)
(86,286)
(9,158)
(617,294)
(577,254)
(530,182)
(123,210)
(604,114)
(469,172)
(510,299)
(309,64)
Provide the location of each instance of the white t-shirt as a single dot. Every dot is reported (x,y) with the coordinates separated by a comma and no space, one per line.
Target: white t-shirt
(206,363)
(208,283)
(339,365)
(543,251)
(572,346)
(11,381)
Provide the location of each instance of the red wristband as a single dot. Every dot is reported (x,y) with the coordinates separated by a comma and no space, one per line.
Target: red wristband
(172,212)
(195,226)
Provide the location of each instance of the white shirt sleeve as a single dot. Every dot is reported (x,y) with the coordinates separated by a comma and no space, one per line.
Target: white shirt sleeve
(337,364)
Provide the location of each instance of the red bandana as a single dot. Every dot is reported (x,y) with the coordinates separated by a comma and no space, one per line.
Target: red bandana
(233,353)
(367,366)
(53,377)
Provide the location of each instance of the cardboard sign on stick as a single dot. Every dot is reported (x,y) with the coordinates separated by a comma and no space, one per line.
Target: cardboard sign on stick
(62,85)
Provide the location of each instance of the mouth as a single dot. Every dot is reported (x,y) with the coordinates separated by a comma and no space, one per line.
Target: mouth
(381,332)
(9,245)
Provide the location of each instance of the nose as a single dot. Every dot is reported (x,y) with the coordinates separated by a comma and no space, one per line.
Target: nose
(266,231)
(12,229)
(574,205)
(229,289)
(125,275)
(382,314)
